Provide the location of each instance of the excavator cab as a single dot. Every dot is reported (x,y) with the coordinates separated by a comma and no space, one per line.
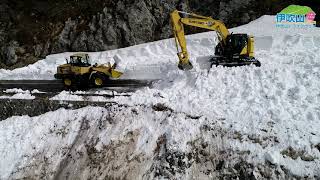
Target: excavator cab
(237,51)
(235,43)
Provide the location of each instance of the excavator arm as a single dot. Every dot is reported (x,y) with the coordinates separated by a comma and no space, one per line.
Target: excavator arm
(196,21)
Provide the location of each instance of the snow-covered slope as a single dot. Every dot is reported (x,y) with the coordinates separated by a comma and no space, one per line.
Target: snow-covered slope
(44,143)
(272,112)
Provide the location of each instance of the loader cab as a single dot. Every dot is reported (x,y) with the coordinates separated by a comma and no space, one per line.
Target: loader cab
(81,60)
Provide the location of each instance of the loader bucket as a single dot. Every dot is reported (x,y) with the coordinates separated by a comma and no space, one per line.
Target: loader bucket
(115,74)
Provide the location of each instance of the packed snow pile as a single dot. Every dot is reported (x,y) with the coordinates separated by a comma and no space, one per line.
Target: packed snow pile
(18,94)
(204,123)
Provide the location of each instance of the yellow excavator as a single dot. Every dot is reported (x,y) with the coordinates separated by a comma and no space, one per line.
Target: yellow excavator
(232,49)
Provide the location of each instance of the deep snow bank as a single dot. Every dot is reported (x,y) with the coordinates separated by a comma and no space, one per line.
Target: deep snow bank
(129,142)
(116,142)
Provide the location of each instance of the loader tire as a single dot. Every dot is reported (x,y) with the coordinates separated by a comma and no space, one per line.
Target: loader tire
(98,80)
(67,82)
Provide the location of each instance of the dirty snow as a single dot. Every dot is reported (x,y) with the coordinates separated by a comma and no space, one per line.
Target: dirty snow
(51,137)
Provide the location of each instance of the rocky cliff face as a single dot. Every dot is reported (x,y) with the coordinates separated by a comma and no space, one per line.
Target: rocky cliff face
(32,29)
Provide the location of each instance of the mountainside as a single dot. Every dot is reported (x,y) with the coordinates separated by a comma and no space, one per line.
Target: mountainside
(32,29)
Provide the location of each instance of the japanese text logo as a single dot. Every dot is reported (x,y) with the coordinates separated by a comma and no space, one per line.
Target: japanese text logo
(297,17)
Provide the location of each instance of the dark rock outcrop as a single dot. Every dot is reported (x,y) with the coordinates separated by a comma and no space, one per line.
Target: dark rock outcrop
(32,29)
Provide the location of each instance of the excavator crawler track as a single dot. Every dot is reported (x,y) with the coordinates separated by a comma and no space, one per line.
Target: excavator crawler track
(221,61)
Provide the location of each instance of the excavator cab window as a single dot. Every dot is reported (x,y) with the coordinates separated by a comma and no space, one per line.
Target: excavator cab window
(235,43)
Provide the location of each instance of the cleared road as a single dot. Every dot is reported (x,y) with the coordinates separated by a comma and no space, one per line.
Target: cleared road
(57,85)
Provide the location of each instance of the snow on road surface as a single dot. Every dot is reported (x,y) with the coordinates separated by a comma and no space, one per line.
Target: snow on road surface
(19,94)
(272,111)
(83,96)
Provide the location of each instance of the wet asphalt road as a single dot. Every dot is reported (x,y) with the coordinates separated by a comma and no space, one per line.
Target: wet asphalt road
(57,85)
(41,103)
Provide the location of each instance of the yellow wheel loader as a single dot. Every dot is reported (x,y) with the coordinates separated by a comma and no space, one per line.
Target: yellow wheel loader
(78,71)
(232,49)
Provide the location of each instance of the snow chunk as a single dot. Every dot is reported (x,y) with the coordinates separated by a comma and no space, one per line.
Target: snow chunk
(273,157)
(67,96)
(20,95)
(16,90)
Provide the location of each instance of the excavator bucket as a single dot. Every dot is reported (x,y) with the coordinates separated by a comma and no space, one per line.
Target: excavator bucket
(115,74)
(185,65)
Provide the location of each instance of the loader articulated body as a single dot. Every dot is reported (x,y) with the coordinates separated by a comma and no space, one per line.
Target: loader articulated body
(232,49)
(78,71)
